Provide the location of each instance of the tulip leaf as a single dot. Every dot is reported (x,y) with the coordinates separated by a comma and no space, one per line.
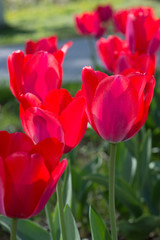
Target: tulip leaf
(125,166)
(140,228)
(72,230)
(145,158)
(67,186)
(98,228)
(140,147)
(26,229)
(151,195)
(123,192)
(155,197)
(132,145)
(81,186)
(67,199)
(56,223)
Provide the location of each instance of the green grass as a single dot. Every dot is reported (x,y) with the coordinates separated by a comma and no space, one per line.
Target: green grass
(45,19)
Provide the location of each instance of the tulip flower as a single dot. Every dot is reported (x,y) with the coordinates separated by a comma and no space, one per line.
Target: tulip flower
(46,44)
(117,106)
(110,49)
(116,56)
(28,173)
(143,31)
(105,12)
(89,24)
(43,119)
(121,16)
(38,73)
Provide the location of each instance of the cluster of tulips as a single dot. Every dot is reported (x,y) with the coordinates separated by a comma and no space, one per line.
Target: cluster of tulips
(141,38)
(116,106)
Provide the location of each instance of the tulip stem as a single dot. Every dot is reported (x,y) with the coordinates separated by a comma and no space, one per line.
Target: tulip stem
(60,211)
(112,191)
(13,228)
(50,220)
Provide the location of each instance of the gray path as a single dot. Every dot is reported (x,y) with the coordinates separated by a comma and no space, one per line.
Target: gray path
(77,57)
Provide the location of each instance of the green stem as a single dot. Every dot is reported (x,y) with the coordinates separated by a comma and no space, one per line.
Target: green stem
(49,220)
(60,211)
(112,191)
(13,228)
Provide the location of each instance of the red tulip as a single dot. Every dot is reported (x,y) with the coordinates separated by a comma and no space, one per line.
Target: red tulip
(121,17)
(89,23)
(28,173)
(120,20)
(46,44)
(117,57)
(110,49)
(142,31)
(117,106)
(38,73)
(141,27)
(59,108)
(105,12)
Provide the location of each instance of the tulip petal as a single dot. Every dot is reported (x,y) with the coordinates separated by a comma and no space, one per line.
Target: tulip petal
(26,179)
(41,74)
(4,144)
(57,100)
(20,143)
(154,44)
(66,46)
(15,63)
(2,186)
(74,122)
(44,44)
(90,82)
(51,149)
(52,183)
(29,100)
(40,124)
(90,79)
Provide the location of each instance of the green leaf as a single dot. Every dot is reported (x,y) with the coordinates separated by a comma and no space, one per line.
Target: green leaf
(56,223)
(132,145)
(141,228)
(98,228)
(125,166)
(144,159)
(72,230)
(155,197)
(67,198)
(26,229)
(67,186)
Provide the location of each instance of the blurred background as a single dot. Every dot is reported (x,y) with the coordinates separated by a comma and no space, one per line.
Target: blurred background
(34,19)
